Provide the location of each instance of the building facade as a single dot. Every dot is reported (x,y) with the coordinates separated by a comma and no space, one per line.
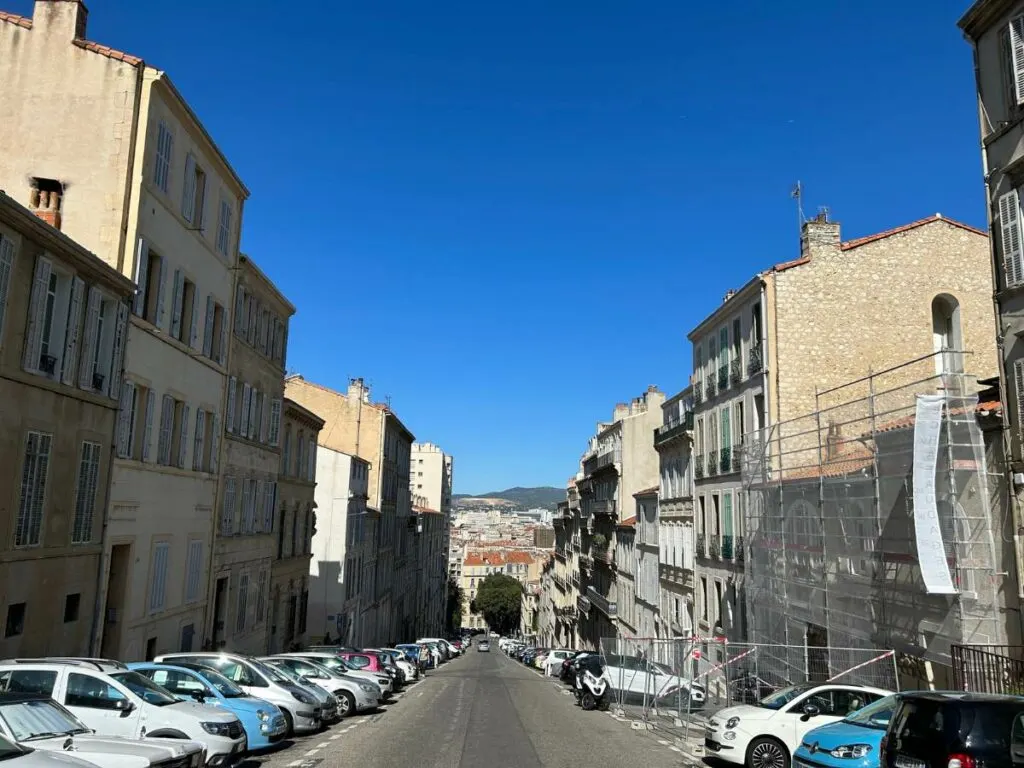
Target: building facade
(647,589)
(430,480)
(136,179)
(294,527)
(58,431)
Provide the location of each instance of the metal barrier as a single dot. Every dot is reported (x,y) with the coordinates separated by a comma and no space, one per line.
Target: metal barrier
(676,684)
(989,668)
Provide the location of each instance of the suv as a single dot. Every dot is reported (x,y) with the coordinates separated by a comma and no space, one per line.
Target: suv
(940,729)
(35,720)
(114,701)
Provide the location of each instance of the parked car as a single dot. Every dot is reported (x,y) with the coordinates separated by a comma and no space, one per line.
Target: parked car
(951,729)
(115,701)
(366,661)
(21,756)
(327,701)
(300,706)
(640,679)
(553,662)
(409,669)
(353,695)
(767,735)
(35,720)
(853,742)
(263,722)
(341,665)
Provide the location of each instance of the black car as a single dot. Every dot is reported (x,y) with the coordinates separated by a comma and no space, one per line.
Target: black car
(954,730)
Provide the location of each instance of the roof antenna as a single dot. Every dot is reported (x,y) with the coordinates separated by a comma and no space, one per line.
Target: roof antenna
(798,195)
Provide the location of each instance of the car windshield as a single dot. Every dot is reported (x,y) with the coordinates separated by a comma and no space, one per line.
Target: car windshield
(874,715)
(225,687)
(782,697)
(274,674)
(27,720)
(333,663)
(145,688)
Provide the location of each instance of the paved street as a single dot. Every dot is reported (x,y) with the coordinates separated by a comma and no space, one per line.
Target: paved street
(482,710)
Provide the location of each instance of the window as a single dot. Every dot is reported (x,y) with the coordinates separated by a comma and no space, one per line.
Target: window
(270,496)
(704,598)
(158,577)
(948,342)
(126,420)
(28,681)
(193,201)
(199,458)
(242,602)
(726,431)
(227,516)
(229,423)
(215,336)
(139,421)
(300,451)
(34,470)
(6,268)
(1010,238)
(164,153)
(184,318)
(275,420)
(246,409)
(54,308)
(150,275)
(252,310)
(736,340)
(247,511)
(193,570)
(311,471)
(15,620)
(85,493)
(261,596)
(723,347)
(92,692)
(224,228)
(241,313)
(71,603)
(280,533)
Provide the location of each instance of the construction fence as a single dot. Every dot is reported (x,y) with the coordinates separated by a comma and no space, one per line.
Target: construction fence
(674,684)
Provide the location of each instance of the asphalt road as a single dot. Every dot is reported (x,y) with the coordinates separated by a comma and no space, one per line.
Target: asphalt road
(482,710)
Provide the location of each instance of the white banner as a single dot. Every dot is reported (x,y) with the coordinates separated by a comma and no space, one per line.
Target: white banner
(931,554)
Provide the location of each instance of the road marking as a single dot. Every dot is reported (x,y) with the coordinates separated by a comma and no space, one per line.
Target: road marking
(311,752)
(419,694)
(323,744)
(294,763)
(338,735)
(663,742)
(675,748)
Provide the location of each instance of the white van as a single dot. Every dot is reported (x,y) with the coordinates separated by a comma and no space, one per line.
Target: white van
(115,701)
(300,705)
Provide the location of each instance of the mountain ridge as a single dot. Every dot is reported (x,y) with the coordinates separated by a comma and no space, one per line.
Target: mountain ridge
(543,496)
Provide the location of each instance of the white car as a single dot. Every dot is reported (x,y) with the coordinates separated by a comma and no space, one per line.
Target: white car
(36,721)
(19,756)
(339,664)
(640,679)
(553,662)
(353,695)
(766,735)
(115,701)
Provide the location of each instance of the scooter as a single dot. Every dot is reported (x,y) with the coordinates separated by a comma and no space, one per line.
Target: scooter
(592,691)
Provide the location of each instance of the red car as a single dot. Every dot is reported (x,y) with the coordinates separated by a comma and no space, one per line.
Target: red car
(364,661)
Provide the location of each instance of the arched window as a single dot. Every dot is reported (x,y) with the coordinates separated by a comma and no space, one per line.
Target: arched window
(946,334)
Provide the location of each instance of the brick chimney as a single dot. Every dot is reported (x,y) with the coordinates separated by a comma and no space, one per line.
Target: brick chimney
(819,234)
(65,19)
(45,199)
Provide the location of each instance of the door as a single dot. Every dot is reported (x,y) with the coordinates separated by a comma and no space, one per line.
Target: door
(219,613)
(102,706)
(117,595)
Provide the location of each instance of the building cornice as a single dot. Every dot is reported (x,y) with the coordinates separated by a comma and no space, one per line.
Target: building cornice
(982,15)
(728,307)
(268,284)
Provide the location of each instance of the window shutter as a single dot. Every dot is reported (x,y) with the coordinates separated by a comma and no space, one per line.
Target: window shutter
(89,342)
(239,311)
(141,274)
(246,482)
(188,195)
(36,309)
(200,440)
(112,383)
(1010,229)
(147,433)
(311,471)
(1017,56)
(264,420)
(222,353)
(227,515)
(208,327)
(158,585)
(250,325)
(74,329)
(275,421)
(243,422)
(176,302)
(124,420)
(268,506)
(194,569)
(161,282)
(163,451)
(183,435)
(6,268)
(253,415)
(230,415)
(215,444)
(258,499)
(194,336)
(200,213)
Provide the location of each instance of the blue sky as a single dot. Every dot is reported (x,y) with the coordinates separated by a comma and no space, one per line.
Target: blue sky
(507,216)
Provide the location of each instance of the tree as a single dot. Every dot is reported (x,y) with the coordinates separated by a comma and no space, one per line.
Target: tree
(454,614)
(499,599)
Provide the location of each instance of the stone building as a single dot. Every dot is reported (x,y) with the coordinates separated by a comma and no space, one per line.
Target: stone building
(58,431)
(294,528)
(104,146)
(430,477)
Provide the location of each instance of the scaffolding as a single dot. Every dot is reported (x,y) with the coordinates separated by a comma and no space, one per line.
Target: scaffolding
(842,549)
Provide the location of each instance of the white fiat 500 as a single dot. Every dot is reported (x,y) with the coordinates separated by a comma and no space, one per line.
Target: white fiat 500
(767,734)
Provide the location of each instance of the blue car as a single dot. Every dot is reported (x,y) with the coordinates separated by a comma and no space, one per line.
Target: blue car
(850,743)
(263,722)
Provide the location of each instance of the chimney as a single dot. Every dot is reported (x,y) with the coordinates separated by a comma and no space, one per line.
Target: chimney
(621,411)
(64,19)
(833,441)
(728,295)
(45,199)
(819,234)
(357,390)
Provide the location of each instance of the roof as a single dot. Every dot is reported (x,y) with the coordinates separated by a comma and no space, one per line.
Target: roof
(981,409)
(267,282)
(982,15)
(498,557)
(647,492)
(629,522)
(110,53)
(13,18)
(426,511)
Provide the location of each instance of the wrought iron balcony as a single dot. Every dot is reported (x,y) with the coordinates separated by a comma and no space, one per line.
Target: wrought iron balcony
(602,603)
(701,547)
(603,507)
(583,605)
(755,362)
(723,377)
(674,428)
(712,463)
(698,394)
(715,547)
(698,467)
(725,460)
(727,551)
(740,556)
(709,388)
(736,370)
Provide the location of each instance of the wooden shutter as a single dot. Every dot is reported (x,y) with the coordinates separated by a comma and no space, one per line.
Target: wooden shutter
(176,302)
(227,514)
(194,335)
(89,341)
(229,417)
(124,420)
(158,585)
(188,194)
(67,375)
(1017,56)
(6,269)
(141,275)
(199,443)
(239,311)
(36,310)
(163,451)
(183,435)
(243,421)
(275,421)
(194,569)
(258,499)
(208,327)
(222,353)
(253,415)
(112,383)
(215,444)
(158,318)
(147,433)
(264,419)
(1009,225)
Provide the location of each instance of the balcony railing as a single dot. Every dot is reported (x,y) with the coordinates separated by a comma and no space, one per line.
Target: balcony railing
(712,463)
(701,548)
(698,467)
(736,370)
(673,428)
(698,394)
(716,547)
(755,362)
(727,550)
(739,550)
(723,377)
(709,388)
(602,603)
(725,460)
(603,507)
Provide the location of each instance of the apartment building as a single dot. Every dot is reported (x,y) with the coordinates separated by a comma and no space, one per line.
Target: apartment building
(294,527)
(647,589)
(134,177)
(481,563)
(58,430)
(430,477)
(785,347)
(372,431)
(673,441)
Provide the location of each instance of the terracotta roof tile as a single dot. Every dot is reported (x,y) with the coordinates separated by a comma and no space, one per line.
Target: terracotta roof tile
(629,522)
(106,50)
(13,18)
(426,511)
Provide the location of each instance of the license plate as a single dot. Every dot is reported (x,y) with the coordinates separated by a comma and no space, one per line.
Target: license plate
(909,762)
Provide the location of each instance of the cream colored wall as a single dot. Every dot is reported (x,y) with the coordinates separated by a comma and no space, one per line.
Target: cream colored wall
(427,478)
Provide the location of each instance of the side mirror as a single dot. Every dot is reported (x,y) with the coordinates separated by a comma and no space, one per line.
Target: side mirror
(810,710)
(199,696)
(125,707)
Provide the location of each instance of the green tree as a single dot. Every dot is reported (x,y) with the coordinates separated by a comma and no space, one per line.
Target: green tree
(454,617)
(499,600)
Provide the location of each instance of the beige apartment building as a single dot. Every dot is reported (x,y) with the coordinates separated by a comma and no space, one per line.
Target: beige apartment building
(372,431)
(294,528)
(430,477)
(57,431)
(246,543)
(133,176)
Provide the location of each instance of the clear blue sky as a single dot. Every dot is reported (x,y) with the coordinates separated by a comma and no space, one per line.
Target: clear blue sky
(507,216)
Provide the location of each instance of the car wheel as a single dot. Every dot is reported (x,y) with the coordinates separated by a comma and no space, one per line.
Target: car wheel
(346,704)
(289,724)
(589,702)
(767,753)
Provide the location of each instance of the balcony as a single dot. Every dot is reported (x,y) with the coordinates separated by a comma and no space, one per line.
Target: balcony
(755,363)
(674,428)
(725,460)
(698,393)
(709,388)
(723,378)
(602,603)
(698,467)
(712,463)
(602,555)
(583,605)
(727,551)
(716,547)
(603,507)
(739,550)
(736,370)
(701,547)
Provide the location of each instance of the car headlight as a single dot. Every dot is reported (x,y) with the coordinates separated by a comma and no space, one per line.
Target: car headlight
(262,715)
(216,729)
(383,680)
(732,722)
(367,687)
(304,698)
(851,751)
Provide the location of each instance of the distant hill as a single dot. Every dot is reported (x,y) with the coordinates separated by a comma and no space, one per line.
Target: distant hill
(544,497)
